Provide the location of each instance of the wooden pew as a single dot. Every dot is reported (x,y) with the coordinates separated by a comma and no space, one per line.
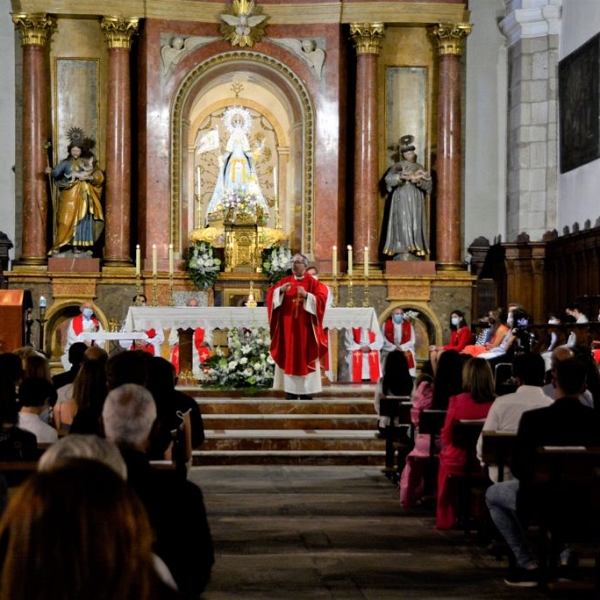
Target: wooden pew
(396,407)
(497,449)
(566,503)
(431,422)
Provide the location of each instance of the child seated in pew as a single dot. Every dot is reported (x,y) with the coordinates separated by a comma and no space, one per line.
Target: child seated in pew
(428,395)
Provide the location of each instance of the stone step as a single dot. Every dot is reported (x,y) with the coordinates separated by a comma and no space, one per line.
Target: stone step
(289,421)
(345,390)
(285,457)
(266,406)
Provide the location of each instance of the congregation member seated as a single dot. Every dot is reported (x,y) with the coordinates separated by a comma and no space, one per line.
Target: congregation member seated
(76,352)
(36,395)
(363,346)
(429,394)
(474,403)
(516,339)
(15,443)
(175,506)
(171,406)
(573,310)
(493,334)
(505,413)
(553,345)
(566,422)
(399,334)
(78,531)
(460,338)
(89,391)
(37,365)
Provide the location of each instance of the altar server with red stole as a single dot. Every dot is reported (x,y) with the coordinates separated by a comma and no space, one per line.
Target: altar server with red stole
(84,322)
(363,348)
(296,308)
(399,334)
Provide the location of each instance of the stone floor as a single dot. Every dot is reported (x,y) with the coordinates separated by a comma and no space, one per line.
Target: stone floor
(296,532)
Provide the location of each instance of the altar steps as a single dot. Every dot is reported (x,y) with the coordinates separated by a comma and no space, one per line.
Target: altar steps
(337,427)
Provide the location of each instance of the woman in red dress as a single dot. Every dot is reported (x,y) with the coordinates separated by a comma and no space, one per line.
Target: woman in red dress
(460,337)
(473,403)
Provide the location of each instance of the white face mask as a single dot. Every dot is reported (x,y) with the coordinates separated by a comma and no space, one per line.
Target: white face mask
(455,321)
(510,320)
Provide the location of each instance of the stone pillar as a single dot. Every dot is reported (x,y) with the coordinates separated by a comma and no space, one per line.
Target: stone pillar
(450,38)
(35,30)
(532,31)
(118,33)
(366,37)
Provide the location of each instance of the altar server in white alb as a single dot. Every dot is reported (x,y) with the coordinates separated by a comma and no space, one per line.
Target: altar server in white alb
(399,334)
(363,358)
(84,322)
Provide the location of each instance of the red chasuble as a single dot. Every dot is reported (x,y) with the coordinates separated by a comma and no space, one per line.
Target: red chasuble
(358,357)
(77,323)
(298,341)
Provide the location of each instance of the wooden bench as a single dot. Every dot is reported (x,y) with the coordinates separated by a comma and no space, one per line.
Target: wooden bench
(431,422)
(497,449)
(396,408)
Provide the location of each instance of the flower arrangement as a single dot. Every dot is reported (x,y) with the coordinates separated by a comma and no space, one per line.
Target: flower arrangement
(276,262)
(203,266)
(248,365)
(238,202)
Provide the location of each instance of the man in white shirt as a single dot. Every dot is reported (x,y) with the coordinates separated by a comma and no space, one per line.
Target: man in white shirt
(573,310)
(35,395)
(506,411)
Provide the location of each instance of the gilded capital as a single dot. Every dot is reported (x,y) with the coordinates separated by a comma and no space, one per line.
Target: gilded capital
(450,37)
(35,29)
(367,37)
(119,31)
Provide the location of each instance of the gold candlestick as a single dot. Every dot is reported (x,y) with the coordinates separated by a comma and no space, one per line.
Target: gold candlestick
(139,288)
(277,223)
(336,291)
(366,302)
(154,289)
(350,301)
(171,299)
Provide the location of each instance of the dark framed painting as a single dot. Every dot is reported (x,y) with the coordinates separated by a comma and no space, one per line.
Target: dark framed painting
(579,105)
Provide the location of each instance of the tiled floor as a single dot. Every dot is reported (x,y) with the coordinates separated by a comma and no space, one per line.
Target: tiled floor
(295,532)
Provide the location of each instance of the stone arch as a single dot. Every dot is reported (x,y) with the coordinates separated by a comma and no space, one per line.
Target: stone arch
(302,132)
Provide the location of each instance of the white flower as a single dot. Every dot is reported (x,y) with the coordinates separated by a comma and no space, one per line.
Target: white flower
(243,360)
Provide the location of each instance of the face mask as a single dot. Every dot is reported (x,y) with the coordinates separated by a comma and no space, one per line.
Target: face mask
(491,320)
(553,322)
(398,318)
(455,321)
(87,312)
(315,276)
(510,321)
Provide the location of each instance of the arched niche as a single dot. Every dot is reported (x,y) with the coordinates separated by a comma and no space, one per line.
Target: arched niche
(270,89)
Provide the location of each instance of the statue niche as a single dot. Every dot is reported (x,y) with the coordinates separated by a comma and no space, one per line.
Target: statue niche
(237,216)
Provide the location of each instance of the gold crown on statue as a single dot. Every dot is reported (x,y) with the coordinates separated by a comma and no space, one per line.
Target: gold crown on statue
(78,138)
(406,143)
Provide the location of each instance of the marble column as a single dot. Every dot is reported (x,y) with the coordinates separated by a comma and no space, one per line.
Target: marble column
(450,39)
(118,33)
(35,30)
(367,38)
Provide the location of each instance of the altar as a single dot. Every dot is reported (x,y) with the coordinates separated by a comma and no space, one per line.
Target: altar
(185,319)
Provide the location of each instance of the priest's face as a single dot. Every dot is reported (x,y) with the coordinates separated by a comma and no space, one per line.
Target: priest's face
(298,266)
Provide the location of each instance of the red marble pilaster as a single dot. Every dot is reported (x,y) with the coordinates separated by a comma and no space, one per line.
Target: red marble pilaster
(118,33)
(366,37)
(450,39)
(35,31)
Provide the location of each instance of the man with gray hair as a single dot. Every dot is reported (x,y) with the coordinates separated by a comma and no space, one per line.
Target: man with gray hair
(296,307)
(175,506)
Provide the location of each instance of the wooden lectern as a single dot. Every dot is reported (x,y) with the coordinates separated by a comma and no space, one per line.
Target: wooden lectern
(14,305)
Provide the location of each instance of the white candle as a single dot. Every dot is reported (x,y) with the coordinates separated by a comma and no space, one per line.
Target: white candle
(366,261)
(275,180)
(42,302)
(198,182)
(170,259)
(349,261)
(334,262)
(138,259)
(154,269)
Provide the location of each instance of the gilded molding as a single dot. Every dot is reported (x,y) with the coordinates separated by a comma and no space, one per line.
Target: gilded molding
(35,29)
(450,37)
(367,37)
(119,31)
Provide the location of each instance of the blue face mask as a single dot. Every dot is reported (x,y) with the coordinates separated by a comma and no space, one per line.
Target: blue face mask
(398,318)
(87,313)
(455,321)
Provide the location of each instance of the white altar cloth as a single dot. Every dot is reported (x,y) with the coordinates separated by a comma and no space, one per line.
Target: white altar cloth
(221,317)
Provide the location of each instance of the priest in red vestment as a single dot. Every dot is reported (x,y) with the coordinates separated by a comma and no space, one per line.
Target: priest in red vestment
(399,334)
(296,308)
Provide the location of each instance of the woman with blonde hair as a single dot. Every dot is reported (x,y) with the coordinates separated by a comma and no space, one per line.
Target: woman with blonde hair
(474,403)
(78,532)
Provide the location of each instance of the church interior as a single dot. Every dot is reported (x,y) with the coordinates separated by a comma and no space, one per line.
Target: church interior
(308,101)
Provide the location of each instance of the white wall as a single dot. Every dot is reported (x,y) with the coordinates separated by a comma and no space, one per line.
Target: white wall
(7,123)
(485,124)
(578,189)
